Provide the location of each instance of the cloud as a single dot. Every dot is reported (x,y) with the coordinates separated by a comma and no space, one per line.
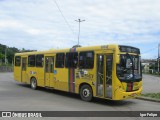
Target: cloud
(38,24)
(10,24)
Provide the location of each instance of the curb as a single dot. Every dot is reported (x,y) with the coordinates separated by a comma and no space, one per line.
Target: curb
(148,99)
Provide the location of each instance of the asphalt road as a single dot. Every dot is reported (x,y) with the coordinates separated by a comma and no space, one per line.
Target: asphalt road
(151,84)
(18,97)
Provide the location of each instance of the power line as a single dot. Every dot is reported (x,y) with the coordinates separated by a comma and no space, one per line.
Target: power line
(148,50)
(63,17)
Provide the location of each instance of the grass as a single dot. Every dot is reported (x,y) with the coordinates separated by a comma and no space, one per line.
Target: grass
(152,95)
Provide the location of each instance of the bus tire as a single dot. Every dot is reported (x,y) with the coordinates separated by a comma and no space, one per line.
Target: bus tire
(33,83)
(86,93)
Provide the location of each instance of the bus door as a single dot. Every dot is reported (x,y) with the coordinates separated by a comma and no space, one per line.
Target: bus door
(104,75)
(49,69)
(23,70)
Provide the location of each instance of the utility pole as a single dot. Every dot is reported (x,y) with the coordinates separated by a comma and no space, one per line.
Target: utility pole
(79,20)
(158,57)
(5,56)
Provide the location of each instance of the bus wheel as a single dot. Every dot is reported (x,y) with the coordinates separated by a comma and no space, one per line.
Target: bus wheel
(86,93)
(34,83)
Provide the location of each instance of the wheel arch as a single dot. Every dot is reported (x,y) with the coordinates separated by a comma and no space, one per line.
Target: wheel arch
(33,83)
(32,77)
(84,84)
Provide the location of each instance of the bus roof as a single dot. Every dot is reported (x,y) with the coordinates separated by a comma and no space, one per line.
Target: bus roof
(86,48)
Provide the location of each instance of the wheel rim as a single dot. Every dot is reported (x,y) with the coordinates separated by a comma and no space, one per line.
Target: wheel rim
(33,83)
(86,93)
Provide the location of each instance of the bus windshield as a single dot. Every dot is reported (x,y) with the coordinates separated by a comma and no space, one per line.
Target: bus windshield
(129,69)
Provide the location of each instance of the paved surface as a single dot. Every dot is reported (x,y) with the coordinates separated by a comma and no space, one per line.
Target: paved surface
(18,97)
(151,84)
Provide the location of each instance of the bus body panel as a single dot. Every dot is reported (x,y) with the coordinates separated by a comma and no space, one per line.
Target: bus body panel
(17,73)
(39,76)
(61,79)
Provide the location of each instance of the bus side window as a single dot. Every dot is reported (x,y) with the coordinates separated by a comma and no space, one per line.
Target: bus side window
(31,61)
(86,60)
(71,60)
(39,60)
(60,60)
(17,60)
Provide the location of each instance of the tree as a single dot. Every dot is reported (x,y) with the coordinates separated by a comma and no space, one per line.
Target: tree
(1,56)
(9,51)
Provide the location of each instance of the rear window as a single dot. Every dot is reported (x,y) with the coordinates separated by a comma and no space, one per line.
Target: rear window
(18,61)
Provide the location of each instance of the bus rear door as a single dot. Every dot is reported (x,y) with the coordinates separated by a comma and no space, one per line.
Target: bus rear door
(49,71)
(23,70)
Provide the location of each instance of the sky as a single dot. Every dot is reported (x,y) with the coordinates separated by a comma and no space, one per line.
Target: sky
(50,24)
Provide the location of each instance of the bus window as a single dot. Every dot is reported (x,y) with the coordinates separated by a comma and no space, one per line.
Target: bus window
(39,60)
(60,60)
(47,65)
(17,61)
(24,64)
(31,61)
(72,60)
(86,60)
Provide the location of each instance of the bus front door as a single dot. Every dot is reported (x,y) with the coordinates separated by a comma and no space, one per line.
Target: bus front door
(49,69)
(23,70)
(104,75)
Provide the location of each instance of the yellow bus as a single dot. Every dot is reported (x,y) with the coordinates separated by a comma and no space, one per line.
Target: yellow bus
(108,71)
